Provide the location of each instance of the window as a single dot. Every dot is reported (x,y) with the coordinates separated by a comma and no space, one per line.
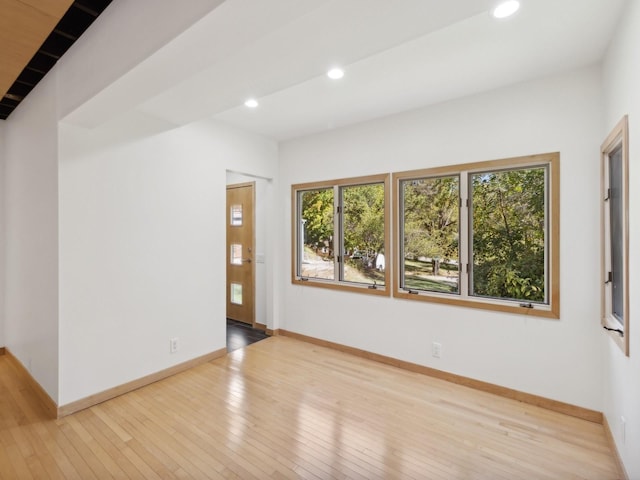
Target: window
(615,235)
(236,293)
(236,215)
(482,235)
(431,226)
(236,254)
(340,234)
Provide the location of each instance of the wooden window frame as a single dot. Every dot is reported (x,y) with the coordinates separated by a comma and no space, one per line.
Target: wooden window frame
(552,308)
(619,333)
(337,284)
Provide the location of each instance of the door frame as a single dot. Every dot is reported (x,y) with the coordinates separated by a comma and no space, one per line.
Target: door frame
(229,186)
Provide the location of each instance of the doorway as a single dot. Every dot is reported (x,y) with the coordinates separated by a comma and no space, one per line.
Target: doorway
(240,252)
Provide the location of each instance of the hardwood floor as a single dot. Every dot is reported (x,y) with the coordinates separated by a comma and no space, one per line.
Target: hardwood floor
(239,335)
(282,408)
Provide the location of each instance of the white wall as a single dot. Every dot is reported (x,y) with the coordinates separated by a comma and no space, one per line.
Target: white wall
(31,254)
(556,359)
(31,163)
(621,77)
(142,250)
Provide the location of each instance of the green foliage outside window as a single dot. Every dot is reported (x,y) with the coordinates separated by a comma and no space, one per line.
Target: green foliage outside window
(509,234)
(506,241)
(317,212)
(494,220)
(364,218)
(362,233)
(431,225)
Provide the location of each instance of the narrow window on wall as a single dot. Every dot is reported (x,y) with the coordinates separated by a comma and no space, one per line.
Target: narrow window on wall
(483,235)
(341,234)
(615,232)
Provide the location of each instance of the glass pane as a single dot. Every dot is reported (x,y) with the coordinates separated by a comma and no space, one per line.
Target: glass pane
(508,234)
(616,233)
(236,293)
(236,254)
(316,233)
(236,215)
(363,227)
(431,211)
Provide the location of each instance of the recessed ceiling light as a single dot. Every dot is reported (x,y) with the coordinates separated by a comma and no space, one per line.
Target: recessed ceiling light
(251,103)
(506,9)
(335,73)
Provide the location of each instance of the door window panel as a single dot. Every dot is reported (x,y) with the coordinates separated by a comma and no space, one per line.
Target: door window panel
(236,293)
(236,215)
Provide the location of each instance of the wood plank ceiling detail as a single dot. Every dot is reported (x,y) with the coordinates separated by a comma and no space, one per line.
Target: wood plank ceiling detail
(34,34)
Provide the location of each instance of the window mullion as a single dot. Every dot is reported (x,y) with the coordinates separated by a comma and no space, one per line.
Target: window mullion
(464,236)
(547,234)
(338,237)
(399,259)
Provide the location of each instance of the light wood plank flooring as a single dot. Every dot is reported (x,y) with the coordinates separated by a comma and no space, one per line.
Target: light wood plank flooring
(282,408)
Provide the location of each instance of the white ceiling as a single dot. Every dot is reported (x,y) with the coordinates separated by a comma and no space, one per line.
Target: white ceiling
(397,55)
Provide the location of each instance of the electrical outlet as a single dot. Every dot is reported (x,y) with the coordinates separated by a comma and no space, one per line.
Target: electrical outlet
(174,345)
(436,349)
(623,429)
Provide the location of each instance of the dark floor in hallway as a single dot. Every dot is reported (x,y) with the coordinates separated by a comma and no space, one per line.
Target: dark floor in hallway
(239,335)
